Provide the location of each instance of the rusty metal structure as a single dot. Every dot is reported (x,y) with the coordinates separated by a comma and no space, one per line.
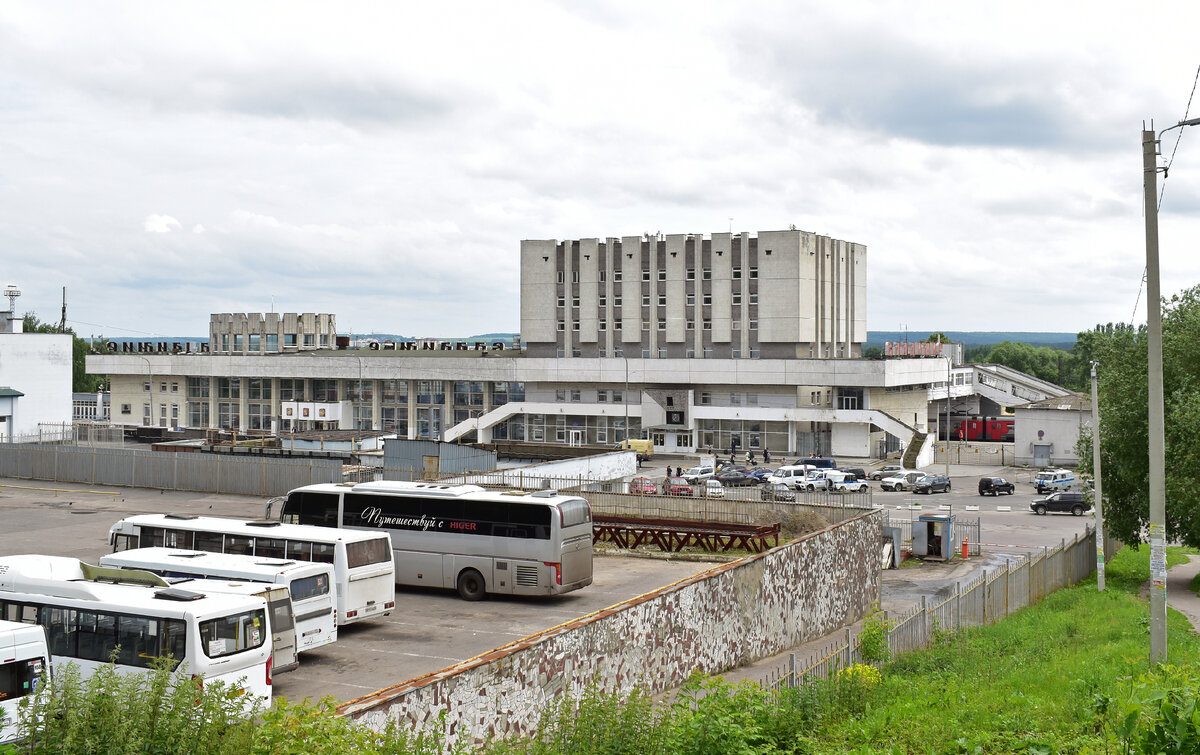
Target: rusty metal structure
(673,535)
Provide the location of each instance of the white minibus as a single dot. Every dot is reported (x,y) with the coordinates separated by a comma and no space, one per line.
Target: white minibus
(24,662)
(90,612)
(364,576)
(310,583)
(463,537)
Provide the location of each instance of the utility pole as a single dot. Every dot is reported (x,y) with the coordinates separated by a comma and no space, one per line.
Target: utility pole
(1098,492)
(947,446)
(1158,488)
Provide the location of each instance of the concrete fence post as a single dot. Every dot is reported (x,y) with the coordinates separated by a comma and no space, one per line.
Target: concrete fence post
(957,606)
(983,612)
(793,682)
(924,623)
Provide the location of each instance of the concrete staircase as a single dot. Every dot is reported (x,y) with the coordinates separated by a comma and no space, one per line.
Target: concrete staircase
(913,450)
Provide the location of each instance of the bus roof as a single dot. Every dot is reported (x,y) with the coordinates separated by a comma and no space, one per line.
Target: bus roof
(62,577)
(259,568)
(249,528)
(439,490)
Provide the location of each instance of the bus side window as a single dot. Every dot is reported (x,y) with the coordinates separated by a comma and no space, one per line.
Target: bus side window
(322,552)
(124,542)
(178,539)
(320,509)
(213,542)
(239,544)
(266,547)
(60,623)
(299,550)
(151,537)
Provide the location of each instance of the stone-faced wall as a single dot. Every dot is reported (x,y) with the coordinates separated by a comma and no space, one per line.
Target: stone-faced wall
(721,618)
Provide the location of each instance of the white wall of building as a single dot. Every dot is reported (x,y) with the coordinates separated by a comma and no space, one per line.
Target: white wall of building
(39,366)
(1057,428)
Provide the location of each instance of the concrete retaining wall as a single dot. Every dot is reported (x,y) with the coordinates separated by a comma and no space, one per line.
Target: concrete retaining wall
(724,617)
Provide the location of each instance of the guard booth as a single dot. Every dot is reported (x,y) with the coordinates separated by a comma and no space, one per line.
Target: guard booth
(933,537)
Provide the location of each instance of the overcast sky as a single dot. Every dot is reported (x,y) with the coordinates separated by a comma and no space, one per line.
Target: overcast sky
(383,161)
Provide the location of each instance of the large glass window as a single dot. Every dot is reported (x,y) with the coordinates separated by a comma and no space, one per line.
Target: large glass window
(259,389)
(431,392)
(229,387)
(258,416)
(197,387)
(360,390)
(324,391)
(393,391)
(394,419)
(468,393)
(197,413)
(291,389)
(255,342)
(229,415)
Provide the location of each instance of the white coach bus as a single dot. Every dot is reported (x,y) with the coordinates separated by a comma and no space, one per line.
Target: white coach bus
(463,537)
(362,568)
(24,663)
(90,611)
(310,583)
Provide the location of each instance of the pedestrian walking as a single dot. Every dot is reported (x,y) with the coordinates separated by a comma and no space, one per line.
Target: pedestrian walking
(766,456)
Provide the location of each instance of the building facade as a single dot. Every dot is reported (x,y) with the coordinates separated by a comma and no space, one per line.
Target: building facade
(778,295)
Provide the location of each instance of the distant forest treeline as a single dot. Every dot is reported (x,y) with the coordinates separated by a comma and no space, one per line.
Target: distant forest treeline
(972,339)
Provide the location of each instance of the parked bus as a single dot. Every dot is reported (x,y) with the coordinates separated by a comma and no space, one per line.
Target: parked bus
(362,570)
(463,537)
(90,612)
(24,661)
(310,584)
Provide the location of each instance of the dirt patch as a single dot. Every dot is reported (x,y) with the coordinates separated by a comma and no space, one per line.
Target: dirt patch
(794,524)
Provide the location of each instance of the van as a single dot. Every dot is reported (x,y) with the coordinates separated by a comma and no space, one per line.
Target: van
(643,446)
(793,475)
(1054,479)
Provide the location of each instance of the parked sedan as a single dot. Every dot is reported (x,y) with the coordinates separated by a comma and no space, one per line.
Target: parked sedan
(777,491)
(733,478)
(677,486)
(932,484)
(761,473)
(1075,503)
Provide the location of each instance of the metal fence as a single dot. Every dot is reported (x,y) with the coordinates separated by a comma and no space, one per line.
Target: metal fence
(984,600)
(195,472)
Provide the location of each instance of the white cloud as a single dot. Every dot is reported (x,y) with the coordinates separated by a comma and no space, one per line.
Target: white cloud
(987,155)
(160,224)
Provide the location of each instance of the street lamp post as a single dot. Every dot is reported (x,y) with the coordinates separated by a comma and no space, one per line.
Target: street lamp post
(1158,489)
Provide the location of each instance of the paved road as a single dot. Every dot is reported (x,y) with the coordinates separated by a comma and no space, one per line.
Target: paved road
(429,631)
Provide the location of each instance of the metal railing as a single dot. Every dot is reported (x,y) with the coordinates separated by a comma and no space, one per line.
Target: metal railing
(983,600)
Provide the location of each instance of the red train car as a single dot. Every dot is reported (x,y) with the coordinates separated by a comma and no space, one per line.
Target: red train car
(986,429)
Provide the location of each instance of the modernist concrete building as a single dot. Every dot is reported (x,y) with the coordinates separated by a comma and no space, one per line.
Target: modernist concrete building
(728,342)
(777,295)
(1047,430)
(35,380)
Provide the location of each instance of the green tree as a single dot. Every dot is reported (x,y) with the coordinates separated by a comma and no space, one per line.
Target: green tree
(80,380)
(1124,422)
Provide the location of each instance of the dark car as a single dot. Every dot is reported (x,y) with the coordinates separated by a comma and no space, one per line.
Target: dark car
(777,491)
(761,473)
(677,486)
(820,462)
(931,483)
(858,472)
(1076,503)
(735,477)
(995,486)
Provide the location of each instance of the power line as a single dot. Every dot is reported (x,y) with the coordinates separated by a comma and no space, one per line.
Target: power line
(1187,110)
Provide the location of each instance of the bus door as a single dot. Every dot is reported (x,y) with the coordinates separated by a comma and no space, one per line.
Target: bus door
(283,628)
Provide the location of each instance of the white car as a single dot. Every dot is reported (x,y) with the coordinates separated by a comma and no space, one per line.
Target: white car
(901,481)
(713,489)
(698,474)
(851,485)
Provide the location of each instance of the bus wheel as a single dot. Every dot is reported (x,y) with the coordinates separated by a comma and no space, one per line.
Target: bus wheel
(471,585)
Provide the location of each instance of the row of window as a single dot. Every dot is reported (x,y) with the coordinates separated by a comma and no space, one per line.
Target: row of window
(256,342)
(690,274)
(705,299)
(706,324)
(466,393)
(663,352)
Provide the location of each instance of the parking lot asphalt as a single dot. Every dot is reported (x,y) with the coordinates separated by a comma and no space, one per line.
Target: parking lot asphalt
(429,630)
(432,629)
